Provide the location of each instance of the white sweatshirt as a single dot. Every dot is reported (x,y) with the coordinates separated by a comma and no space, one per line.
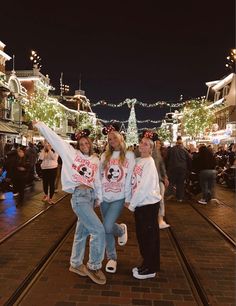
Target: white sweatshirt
(77,169)
(145,183)
(49,159)
(116,178)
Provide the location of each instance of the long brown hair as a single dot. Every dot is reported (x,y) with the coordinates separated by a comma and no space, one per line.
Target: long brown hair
(109,149)
(90,144)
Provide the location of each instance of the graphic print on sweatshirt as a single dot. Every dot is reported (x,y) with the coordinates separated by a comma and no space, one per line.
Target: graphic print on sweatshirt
(136,177)
(85,171)
(114,174)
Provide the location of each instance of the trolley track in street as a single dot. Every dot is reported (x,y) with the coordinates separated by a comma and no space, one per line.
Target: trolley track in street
(21,226)
(26,250)
(180,241)
(184,246)
(195,284)
(31,277)
(223,233)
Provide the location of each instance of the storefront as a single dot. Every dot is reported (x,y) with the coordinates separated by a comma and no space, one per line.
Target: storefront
(6,133)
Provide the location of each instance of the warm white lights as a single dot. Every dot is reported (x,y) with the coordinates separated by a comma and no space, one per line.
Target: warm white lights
(35,58)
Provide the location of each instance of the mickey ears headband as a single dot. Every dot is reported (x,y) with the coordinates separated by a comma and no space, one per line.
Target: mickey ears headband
(151,135)
(83,133)
(109,128)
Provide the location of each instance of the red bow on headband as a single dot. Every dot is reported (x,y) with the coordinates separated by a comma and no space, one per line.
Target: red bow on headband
(83,133)
(108,129)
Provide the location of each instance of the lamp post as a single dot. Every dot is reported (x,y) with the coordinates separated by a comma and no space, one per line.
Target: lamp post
(63,88)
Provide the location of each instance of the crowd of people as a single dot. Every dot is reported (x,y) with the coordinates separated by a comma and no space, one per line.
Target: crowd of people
(139,178)
(22,165)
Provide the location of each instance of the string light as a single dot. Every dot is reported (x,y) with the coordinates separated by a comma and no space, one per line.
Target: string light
(231,59)
(142,104)
(35,58)
(126,121)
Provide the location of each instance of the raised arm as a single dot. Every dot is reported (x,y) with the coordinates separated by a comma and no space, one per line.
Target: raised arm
(58,144)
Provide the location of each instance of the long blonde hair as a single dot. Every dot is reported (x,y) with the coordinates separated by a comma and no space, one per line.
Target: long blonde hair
(109,149)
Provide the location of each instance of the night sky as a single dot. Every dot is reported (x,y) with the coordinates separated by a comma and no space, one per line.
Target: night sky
(149,50)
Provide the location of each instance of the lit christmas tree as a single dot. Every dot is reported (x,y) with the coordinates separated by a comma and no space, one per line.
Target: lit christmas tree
(132,131)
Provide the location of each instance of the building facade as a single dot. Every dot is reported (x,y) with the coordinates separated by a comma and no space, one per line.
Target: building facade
(221,95)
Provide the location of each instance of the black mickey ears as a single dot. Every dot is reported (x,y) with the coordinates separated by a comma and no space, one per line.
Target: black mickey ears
(83,133)
(149,134)
(111,127)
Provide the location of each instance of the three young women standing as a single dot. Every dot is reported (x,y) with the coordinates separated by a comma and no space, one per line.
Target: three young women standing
(80,176)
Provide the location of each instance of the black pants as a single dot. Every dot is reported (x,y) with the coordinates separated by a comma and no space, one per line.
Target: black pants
(20,183)
(49,177)
(148,235)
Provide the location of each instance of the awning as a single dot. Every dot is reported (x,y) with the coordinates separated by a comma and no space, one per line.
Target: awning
(5,129)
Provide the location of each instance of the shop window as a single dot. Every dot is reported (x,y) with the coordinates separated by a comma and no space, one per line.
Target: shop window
(217,96)
(226,90)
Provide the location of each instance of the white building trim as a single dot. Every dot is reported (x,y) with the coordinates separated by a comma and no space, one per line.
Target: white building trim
(221,84)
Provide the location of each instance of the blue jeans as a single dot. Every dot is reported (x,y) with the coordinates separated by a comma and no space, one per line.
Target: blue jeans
(88,223)
(110,213)
(207,180)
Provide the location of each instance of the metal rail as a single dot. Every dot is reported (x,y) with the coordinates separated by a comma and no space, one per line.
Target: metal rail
(25,285)
(226,236)
(194,282)
(11,233)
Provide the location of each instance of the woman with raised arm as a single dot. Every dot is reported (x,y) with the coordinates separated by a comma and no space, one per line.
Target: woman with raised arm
(116,169)
(80,176)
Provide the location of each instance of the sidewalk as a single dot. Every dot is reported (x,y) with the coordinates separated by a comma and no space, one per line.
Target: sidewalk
(11,216)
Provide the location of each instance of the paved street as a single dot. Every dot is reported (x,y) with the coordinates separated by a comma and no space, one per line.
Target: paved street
(212,259)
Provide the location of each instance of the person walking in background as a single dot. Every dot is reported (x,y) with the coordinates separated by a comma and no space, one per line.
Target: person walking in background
(80,176)
(163,179)
(178,163)
(206,164)
(21,167)
(32,155)
(116,170)
(145,205)
(49,171)
(9,166)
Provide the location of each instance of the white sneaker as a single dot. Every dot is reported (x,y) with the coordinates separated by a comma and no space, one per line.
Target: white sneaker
(145,274)
(122,240)
(163,225)
(215,200)
(202,201)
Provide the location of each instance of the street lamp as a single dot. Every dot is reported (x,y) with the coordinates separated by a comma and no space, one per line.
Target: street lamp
(64,89)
